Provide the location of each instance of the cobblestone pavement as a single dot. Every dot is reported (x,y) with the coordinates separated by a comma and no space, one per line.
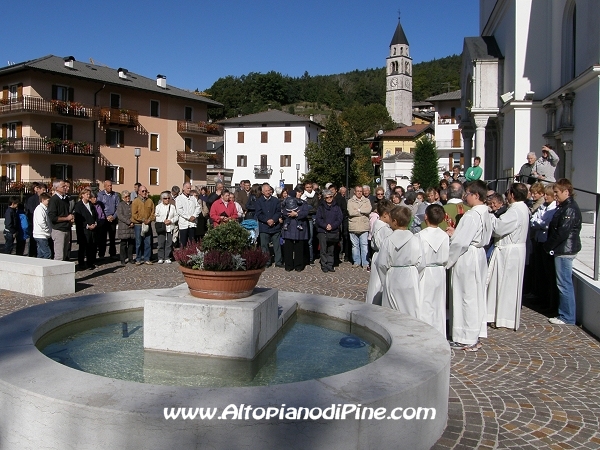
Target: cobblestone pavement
(538,387)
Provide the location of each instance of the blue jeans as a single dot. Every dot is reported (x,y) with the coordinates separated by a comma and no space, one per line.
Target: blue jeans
(143,244)
(566,292)
(360,248)
(43,248)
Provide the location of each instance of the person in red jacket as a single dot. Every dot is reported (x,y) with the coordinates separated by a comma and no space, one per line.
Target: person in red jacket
(223,210)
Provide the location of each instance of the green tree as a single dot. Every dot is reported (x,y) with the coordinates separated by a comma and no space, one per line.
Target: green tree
(361,166)
(326,158)
(425,167)
(367,120)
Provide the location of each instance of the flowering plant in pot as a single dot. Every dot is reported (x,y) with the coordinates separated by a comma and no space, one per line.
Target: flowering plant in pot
(224,265)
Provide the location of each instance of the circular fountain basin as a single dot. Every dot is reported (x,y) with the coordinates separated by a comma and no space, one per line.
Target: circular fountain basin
(47,405)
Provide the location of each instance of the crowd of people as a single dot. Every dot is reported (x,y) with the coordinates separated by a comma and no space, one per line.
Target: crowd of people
(458,244)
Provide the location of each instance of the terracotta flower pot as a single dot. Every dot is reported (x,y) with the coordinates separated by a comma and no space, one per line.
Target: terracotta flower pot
(221,285)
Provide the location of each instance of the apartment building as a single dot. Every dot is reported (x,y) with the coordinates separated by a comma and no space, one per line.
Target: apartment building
(62,118)
(269,146)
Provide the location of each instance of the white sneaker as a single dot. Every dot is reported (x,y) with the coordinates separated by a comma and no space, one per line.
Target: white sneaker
(167,261)
(556,321)
(160,261)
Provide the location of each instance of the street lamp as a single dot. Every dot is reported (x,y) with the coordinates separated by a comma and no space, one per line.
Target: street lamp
(281,182)
(137,152)
(348,152)
(297,173)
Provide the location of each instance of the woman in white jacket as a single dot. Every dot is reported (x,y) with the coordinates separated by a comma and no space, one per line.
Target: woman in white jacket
(165,213)
(42,227)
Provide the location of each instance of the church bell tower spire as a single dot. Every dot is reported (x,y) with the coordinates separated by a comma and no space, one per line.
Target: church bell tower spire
(399,79)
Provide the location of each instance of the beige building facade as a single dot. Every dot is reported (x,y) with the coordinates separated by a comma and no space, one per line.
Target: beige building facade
(65,119)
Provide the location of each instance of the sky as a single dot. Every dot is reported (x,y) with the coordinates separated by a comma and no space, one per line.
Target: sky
(195,42)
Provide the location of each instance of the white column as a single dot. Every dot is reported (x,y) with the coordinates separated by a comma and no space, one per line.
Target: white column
(480,123)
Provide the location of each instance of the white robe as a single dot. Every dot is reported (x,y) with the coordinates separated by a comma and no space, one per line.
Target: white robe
(399,262)
(380,232)
(469,272)
(432,283)
(507,265)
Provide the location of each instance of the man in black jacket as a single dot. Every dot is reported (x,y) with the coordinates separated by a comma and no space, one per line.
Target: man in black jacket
(58,212)
(11,224)
(341,201)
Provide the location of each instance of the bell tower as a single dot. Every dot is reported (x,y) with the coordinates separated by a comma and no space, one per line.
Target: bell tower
(399,79)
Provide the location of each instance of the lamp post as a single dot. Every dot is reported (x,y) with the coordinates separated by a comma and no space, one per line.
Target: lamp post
(297,173)
(281,182)
(348,152)
(137,152)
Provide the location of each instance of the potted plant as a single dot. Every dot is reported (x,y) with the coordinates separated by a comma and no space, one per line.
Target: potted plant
(224,265)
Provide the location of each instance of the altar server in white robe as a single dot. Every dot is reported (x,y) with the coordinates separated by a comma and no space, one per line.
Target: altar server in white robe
(432,284)
(399,262)
(507,264)
(379,233)
(469,270)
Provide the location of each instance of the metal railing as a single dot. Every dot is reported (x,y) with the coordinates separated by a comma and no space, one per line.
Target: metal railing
(449,143)
(263,171)
(184,126)
(40,105)
(41,145)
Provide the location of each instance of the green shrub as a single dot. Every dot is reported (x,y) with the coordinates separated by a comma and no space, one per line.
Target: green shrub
(230,237)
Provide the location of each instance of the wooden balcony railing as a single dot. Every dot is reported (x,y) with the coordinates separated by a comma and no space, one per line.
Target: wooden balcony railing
(41,105)
(47,146)
(184,126)
(211,159)
(263,171)
(119,117)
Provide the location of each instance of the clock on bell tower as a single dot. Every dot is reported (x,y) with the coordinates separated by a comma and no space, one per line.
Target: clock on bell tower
(399,79)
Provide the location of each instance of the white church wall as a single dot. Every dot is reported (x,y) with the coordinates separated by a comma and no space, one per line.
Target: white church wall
(586,151)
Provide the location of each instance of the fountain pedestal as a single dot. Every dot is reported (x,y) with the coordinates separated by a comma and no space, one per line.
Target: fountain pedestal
(232,328)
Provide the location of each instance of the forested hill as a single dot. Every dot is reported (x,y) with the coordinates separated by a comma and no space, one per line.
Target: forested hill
(257,92)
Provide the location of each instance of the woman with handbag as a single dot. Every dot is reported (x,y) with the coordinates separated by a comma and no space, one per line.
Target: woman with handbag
(166,218)
(328,221)
(86,219)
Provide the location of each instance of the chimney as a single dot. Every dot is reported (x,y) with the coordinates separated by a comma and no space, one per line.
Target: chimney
(122,73)
(161,81)
(69,61)
(311,118)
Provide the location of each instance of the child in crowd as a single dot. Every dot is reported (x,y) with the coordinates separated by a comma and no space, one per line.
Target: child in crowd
(399,262)
(42,227)
(23,233)
(380,231)
(432,283)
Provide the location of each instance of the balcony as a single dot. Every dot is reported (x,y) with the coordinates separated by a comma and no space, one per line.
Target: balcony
(203,128)
(263,171)
(47,146)
(447,120)
(449,143)
(29,104)
(119,117)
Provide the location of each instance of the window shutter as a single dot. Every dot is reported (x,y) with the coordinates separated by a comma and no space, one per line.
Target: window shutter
(19,130)
(54,131)
(54,171)
(54,92)
(121,175)
(69,172)
(107,173)
(264,137)
(108,138)
(462,160)
(70,132)
(281,160)
(4,130)
(18,172)
(240,137)
(287,136)
(71,94)
(154,142)
(455,138)
(5,92)
(4,171)
(20,90)
(450,163)
(121,138)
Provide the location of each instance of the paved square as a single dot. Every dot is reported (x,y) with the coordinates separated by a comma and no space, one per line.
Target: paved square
(538,387)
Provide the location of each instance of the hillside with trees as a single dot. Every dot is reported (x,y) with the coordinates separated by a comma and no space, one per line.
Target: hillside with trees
(258,92)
